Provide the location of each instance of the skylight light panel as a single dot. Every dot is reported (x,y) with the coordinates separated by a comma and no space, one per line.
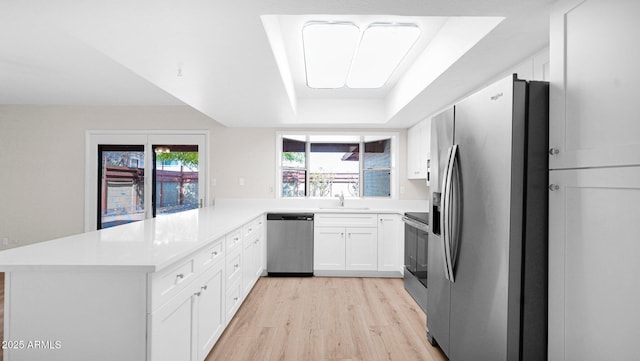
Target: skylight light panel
(381,49)
(328,52)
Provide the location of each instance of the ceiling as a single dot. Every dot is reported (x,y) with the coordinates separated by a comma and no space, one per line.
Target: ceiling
(235,61)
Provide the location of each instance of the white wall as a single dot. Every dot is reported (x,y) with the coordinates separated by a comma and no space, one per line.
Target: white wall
(42,162)
(42,158)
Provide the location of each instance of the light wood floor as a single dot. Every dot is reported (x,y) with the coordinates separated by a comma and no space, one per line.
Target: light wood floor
(321,318)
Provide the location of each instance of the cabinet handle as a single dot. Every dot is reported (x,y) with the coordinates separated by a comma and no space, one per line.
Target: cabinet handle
(236,265)
(235,299)
(553,187)
(180,276)
(554,151)
(250,229)
(197,294)
(215,253)
(204,288)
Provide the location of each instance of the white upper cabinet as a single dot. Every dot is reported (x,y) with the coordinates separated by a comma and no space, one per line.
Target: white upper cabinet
(594,90)
(418,140)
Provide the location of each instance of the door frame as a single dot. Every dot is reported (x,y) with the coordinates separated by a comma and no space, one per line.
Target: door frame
(139,137)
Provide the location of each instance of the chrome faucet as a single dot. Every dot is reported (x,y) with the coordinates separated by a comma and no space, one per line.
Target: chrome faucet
(341,197)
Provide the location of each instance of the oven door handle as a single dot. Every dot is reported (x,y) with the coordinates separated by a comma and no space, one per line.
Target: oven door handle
(415,224)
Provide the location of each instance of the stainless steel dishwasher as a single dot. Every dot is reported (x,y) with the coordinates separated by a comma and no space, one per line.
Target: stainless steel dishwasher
(290,244)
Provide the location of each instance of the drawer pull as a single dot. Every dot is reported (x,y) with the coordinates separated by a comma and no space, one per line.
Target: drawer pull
(235,299)
(197,294)
(215,253)
(236,265)
(180,276)
(204,288)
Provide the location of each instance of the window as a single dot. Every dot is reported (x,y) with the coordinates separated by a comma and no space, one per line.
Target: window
(294,167)
(121,184)
(132,176)
(326,165)
(175,178)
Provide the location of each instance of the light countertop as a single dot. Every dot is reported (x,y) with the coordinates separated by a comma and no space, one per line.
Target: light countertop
(145,246)
(149,245)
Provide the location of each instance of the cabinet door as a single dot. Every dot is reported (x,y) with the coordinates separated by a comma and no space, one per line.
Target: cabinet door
(233,299)
(361,249)
(390,242)
(258,258)
(248,264)
(328,248)
(210,309)
(594,225)
(413,151)
(594,90)
(418,144)
(171,328)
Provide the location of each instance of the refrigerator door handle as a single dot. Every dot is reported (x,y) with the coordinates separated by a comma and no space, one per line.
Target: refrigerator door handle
(455,208)
(443,215)
(448,211)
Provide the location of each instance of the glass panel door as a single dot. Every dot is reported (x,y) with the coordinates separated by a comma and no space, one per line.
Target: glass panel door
(175,178)
(138,176)
(120,184)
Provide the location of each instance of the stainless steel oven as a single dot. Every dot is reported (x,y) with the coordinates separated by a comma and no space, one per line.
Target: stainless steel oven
(416,234)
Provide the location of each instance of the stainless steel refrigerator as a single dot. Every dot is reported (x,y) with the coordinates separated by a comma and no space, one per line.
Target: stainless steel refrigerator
(487,251)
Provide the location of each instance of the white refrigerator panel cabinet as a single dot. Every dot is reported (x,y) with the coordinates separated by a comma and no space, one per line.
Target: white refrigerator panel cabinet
(594,248)
(594,84)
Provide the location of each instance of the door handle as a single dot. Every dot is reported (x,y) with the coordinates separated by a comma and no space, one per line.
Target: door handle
(455,209)
(448,212)
(444,215)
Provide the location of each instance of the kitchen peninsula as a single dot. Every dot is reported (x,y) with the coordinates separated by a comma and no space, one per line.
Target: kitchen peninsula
(133,292)
(160,289)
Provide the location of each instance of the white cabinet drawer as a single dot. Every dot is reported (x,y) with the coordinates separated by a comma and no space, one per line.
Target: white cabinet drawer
(234,266)
(167,283)
(210,255)
(345,220)
(234,240)
(250,229)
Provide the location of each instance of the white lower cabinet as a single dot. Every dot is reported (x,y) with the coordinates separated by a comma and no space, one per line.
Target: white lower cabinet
(345,248)
(187,327)
(390,243)
(194,300)
(253,253)
(171,329)
(328,248)
(233,298)
(234,282)
(345,242)
(594,225)
(210,310)
(361,249)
